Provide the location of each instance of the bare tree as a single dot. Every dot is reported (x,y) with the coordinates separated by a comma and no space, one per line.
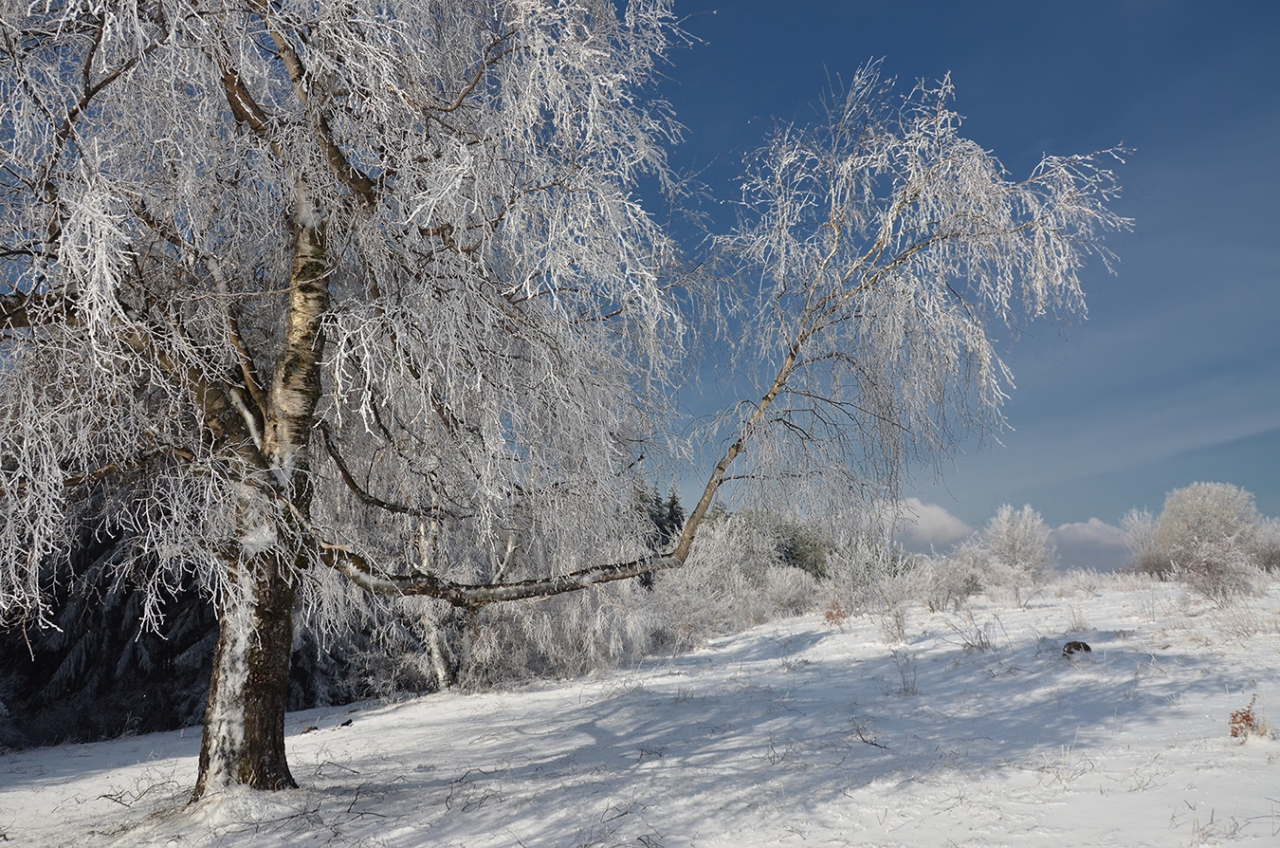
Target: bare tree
(299,294)
(1020,541)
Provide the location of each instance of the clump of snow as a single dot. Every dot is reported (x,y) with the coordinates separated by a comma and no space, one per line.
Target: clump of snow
(972,731)
(258,539)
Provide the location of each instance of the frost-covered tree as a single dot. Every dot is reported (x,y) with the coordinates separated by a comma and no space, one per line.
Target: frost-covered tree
(294,288)
(311,299)
(1018,550)
(1145,556)
(1205,512)
(1019,540)
(1009,555)
(876,246)
(1210,535)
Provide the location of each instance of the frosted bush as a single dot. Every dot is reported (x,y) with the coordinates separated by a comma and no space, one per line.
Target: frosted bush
(736,578)
(1205,512)
(1210,536)
(946,581)
(1266,544)
(1010,556)
(1145,556)
(1220,569)
(563,636)
(866,575)
(1133,581)
(1084,581)
(1017,542)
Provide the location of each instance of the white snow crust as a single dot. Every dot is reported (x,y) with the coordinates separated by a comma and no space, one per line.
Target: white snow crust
(794,733)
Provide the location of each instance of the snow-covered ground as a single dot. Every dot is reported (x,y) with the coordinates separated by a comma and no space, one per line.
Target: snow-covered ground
(974,731)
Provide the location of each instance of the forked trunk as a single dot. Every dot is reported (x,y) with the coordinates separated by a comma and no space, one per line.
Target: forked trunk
(243,739)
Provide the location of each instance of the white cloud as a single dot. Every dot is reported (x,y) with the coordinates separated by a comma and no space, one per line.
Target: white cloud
(1091,532)
(928,525)
(1090,544)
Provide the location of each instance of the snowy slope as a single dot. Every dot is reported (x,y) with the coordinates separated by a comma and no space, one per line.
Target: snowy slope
(795,733)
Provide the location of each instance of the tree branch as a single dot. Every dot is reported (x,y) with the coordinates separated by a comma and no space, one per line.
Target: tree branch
(234,335)
(359,491)
(350,176)
(112,468)
(245,109)
(22,311)
(471,595)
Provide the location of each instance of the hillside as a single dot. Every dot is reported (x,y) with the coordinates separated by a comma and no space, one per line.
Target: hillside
(974,731)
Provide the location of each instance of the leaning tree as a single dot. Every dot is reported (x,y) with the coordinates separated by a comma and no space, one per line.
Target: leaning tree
(314,298)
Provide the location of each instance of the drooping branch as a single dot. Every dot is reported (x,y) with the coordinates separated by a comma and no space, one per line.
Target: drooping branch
(362,494)
(492,56)
(235,337)
(110,469)
(66,129)
(374,579)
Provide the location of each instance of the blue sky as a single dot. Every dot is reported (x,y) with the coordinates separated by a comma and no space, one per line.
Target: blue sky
(1175,376)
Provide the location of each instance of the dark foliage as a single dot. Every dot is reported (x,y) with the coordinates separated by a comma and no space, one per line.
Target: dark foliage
(805,548)
(667,520)
(98,672)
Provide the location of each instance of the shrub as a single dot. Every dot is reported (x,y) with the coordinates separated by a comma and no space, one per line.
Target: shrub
(1209,535)
(1018,540)
(1205,512)
(1011,554)
(833,614)
(1145,556)
(946,581)
(1219,569)
(1266,544)
(1244,723)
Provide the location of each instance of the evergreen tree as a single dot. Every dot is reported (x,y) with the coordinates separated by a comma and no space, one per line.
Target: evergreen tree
(673,518)
(666,520)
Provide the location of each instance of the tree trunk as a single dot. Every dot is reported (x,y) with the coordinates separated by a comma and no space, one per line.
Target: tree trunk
(243,739)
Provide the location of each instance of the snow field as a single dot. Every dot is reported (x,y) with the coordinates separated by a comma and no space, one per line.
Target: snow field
(972,731)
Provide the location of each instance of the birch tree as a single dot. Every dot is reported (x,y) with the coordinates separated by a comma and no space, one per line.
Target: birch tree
(293,288)
(882,256)
(316,298)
